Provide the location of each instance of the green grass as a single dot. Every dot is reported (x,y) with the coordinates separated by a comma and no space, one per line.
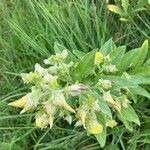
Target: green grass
(28,30)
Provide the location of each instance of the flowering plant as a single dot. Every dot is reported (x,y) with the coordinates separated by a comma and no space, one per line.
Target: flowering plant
(93,90)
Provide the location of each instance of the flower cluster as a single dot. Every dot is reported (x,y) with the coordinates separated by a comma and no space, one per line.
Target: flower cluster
(77,102)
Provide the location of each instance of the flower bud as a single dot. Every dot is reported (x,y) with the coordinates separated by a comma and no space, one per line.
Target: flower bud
(40,69)
(111,123)
(50,110)
(41,121)
(59,100)
(64,54)
(108,98)
(77,89)
(94,127)
(19,103)
(47,62)
(110,68)
(106,84)
(78,123)
(31,102)
(48,78)
(68,118)
(82,116)
(98,57)
(32,77)
(50,121)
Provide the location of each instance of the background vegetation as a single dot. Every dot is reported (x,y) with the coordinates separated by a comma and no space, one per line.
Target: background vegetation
(28,30)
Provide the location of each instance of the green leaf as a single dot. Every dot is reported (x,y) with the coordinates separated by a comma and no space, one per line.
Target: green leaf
(125,4)
(130,115)
(126,61)
(115,9)
(84,66)
(144,71)
(101,138)
(107,47)
(141,54)
(139,79)
(58,48)
(102,103)
(117,54)
(147,63)
(141,3)
(78,53)
(127,124)
(104,107)
(140,91)
(119,82)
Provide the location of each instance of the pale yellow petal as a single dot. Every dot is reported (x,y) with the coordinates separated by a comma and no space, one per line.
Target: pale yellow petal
(19,103)
(95,128)
(67,107)
(82,116)
(51,120)
(111,123)
(98,57)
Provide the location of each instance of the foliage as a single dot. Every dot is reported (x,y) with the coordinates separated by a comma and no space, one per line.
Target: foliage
(28,30)
(92,87)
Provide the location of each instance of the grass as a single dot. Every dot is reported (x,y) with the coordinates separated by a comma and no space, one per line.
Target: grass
(28,30)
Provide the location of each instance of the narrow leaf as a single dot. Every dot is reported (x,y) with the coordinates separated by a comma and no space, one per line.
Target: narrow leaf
(139,79)
(107,47)
(126,61)
(140,91)
(78,53)
(127,124)
(101,138)
(141,54)
(130,115)
(84,66)
(115,9)
(125,4)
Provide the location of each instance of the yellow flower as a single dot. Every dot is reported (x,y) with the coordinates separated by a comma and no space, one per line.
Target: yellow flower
(59,100)
(111,123)
(41,121)
(98,57)
(50,121)
(19,103)
(50,110)
(108,98)
(82,116)
(95,128)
